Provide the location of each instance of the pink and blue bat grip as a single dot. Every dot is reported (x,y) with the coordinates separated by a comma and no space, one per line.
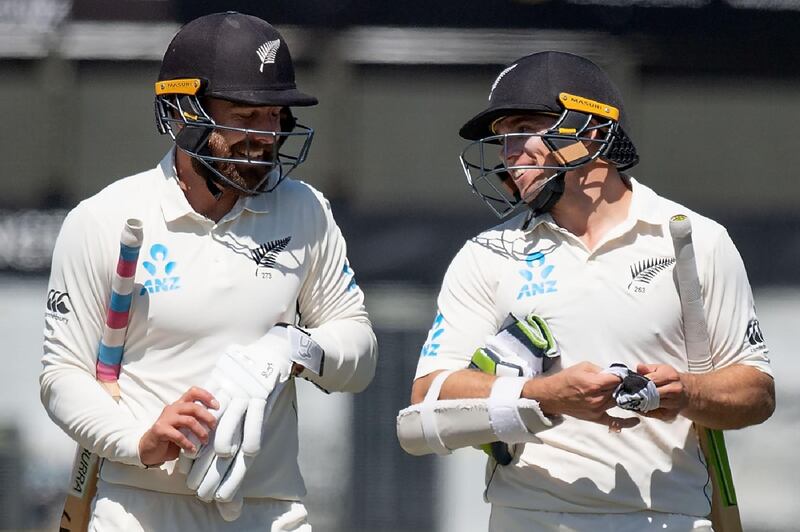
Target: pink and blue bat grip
(109,355)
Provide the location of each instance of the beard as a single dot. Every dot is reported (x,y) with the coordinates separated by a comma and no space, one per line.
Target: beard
(247,176)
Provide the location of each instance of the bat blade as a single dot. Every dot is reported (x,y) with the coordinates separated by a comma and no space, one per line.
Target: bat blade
(724,507)
(85,467)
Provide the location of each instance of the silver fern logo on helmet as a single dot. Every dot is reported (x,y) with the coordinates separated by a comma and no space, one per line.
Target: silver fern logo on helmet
(267,52)
(497,81)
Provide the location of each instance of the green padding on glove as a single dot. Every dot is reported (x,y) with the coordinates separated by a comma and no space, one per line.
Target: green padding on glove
(487,361)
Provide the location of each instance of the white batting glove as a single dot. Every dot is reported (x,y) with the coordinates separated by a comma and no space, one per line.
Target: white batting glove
(246,378)
(217,479)
(246,382)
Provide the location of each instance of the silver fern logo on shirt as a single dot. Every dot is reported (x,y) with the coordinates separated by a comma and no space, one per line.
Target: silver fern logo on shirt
(644,271)
(266,255)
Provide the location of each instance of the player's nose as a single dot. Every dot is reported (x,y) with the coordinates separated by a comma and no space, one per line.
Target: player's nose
(267,126)
(260,136)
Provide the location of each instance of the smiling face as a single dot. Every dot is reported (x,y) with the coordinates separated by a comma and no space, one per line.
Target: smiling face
(257,144)
(527,157)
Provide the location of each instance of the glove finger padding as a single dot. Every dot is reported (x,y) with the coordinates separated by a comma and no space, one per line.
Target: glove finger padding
(200,467)
(228,435)
(184,464)
(220,465)
(230,511)
(233,479)
(636,392)
(258,414)
(253,423)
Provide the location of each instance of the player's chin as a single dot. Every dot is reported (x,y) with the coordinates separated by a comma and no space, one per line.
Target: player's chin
(530,182)
(245,184)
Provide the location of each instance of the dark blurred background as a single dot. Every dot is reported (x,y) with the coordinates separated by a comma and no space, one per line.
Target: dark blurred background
(712,92)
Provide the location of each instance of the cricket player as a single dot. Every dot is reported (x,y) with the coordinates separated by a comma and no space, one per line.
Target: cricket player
(243,284)
(584,254)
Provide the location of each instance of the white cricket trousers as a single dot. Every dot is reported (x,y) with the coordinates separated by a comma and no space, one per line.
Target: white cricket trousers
(505,519)
(118,508)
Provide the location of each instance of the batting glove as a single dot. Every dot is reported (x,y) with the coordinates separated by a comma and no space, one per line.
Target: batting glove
(521,348)
(635,392)
(246,382)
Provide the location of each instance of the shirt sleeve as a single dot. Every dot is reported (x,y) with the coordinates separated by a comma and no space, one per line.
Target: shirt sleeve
(465,316)
(331,306)
(735,333)
(79,286)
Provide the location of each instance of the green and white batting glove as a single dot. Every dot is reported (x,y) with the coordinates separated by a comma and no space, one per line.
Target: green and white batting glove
(521,348)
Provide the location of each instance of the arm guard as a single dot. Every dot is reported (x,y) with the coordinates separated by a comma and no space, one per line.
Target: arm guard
(440,426)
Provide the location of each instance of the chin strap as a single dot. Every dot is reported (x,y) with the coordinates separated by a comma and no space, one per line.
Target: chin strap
(549,195)
(212,187)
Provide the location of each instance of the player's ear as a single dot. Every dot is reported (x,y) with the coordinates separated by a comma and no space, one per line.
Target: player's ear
(288,121)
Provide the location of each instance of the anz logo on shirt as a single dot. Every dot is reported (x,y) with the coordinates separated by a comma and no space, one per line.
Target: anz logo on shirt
(431,347)
(348,271)
(537,276)
(161,272)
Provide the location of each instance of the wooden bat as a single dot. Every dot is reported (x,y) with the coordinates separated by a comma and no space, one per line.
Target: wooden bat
(724,508)
(83,480)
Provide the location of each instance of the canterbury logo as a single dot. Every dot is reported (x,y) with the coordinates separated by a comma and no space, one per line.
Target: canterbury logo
(267,52)
(57,302)
(754,336)
(645,270)
(266,254)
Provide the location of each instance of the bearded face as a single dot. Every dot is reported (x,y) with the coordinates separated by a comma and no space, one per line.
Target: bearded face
(247,176)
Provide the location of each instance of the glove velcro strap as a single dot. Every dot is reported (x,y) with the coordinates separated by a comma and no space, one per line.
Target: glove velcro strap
(430,428)
(305,351)
(503,414)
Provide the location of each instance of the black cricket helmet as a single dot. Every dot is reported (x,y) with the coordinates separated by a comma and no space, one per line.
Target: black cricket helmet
(581,99)
(241,59)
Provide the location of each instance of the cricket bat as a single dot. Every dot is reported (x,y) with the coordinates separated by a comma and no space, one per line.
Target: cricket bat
(724,508)
(83,480)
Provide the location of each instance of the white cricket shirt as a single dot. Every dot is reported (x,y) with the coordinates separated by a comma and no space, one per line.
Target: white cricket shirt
(618,303)
(200,287)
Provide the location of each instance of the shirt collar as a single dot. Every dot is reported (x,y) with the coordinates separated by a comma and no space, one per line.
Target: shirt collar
(174,204)
(258,203)
(644,204)
(644,207)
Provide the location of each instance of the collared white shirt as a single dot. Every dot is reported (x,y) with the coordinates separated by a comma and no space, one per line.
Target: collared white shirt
(201,286)
(616,303)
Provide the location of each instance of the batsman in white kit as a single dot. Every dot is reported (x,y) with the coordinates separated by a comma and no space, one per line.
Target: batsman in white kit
(590,341)
(242,286)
